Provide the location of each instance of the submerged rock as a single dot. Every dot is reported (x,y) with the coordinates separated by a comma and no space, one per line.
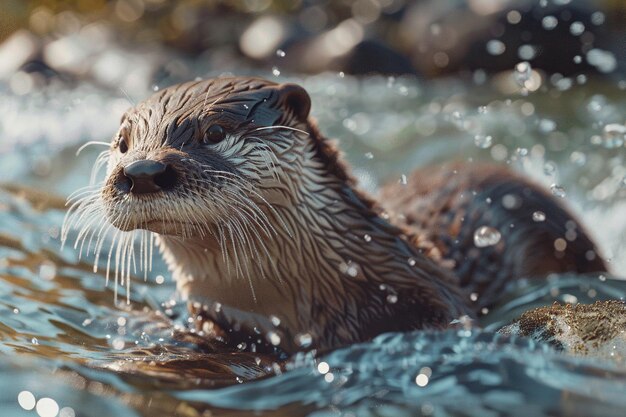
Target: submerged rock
(597,329)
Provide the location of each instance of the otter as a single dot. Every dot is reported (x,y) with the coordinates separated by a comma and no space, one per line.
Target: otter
(267,235)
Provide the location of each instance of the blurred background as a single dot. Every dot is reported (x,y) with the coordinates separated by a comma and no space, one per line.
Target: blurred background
(139,43)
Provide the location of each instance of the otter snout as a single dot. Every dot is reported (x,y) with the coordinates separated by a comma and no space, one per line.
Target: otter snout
(148,176)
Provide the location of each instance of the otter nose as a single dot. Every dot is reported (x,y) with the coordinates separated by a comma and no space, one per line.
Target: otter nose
(145,176)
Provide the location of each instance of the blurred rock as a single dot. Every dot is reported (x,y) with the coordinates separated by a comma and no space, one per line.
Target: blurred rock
(446,37)
(16,51)
(597,329)
(136,43)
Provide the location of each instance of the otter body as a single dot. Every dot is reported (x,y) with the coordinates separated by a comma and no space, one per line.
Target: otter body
(538,235)
(267,235)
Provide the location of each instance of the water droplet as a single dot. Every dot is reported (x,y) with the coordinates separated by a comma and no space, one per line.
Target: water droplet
(329,377)
(539,216)
(421,380)
(280,53)
(392,298)
(613,135)
(458,120)
(47,270)
(576,28)
(118,343)
(547,125)
(155,87)
(323,367)
(367,238)
(513,17)
(304,340)
(474,296)
(67,412)
(369,155)
(273,338)
(486,236)
(121,321)
(275,320)
(47,407)
(403,180)
(495,47)
(557,190)
(511,201)
(411,261)
(597,18)
(549,168)
(603,60)
(578,158)
(483,141)
(549,22)
(526,52)
(523,72)
(570,298)
(349,269)
(560,244)
(16,310)
(34,341)
(275,71)
(26,400)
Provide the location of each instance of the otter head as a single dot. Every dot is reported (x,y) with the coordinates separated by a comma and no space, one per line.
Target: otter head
(202,156)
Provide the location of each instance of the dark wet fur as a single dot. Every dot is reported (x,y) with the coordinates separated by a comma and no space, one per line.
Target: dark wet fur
(448,203)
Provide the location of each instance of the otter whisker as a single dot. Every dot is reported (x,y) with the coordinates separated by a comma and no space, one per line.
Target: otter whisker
(295,129)
(240,241)
(87,230)
(256,194)
(100,162)
(91,188)
(85,216)
(130,100)
(246,202)
(90,143)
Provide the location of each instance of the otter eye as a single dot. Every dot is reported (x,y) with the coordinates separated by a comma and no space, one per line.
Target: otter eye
(122,145)
(214,134)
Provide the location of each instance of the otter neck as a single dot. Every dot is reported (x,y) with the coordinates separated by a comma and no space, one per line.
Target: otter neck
(338,273)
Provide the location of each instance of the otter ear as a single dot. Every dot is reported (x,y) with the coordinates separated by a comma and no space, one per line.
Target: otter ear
(296,99)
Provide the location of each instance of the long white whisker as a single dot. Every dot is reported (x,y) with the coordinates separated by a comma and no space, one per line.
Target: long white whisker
(90,143)
(280,127)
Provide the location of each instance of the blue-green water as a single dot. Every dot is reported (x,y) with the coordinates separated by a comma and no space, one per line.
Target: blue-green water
(63,337)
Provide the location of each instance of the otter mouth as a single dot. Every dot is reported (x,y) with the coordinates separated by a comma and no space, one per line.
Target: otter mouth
(145,215)
(166,212)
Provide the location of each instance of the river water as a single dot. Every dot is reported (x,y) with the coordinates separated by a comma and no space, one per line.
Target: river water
(68,349)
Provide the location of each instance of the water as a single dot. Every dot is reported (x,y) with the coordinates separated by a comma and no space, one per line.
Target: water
(65,343)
